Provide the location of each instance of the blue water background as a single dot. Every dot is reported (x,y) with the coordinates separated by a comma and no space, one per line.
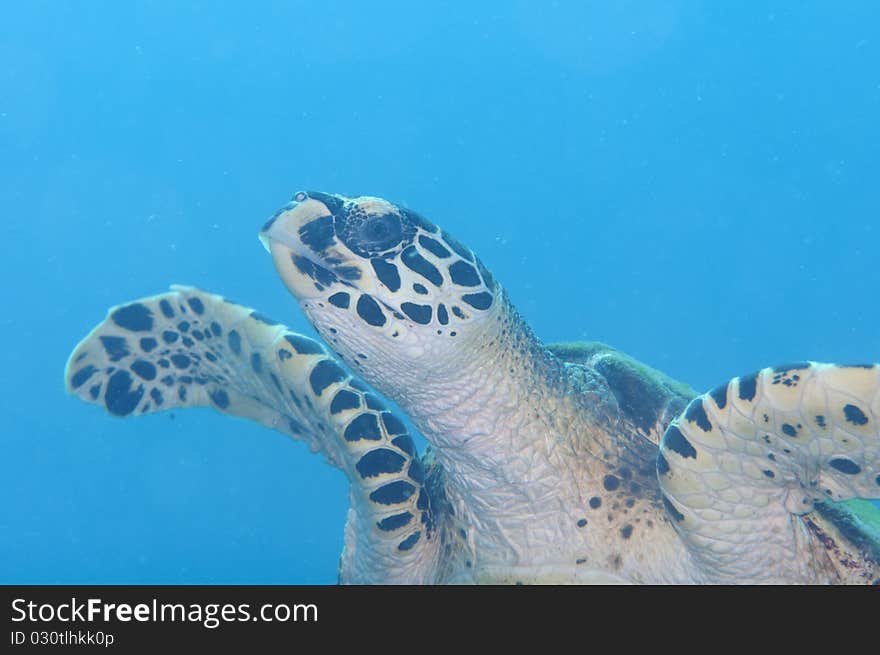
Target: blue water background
(692,182)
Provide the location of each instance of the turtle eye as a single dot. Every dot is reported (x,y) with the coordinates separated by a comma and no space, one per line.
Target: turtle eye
(380,232)
(300,196)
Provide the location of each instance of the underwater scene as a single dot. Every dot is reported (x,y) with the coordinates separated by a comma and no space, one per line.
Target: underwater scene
(693,183)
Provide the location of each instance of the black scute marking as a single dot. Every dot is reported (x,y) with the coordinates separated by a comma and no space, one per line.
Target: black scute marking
(674,440)
(304,345)
(464,274)
(419,288)
(318,234)
(220,398)
(456,246)
(82,375)
(405,443)
(789,429)
(325,373)
(369,310)
(373,402)
(719,395)
(674,513)
(394,522)
(419,313)
(418,264)
(854,415)
(144,369)
(234,340)
(167,309)
(262,318)
(120,398)
(364,426)
(433,246)
(183,326)
(442,314)
(662,465)
(610,482)
(196,305)
(748,386)
(482,300)
(393,424)
(410,541)
(387,273)
(170,337)
(696,413)
(344,399)
(115,347)
(393,493)
(379,461)
(216,330)
(157,396)
(845,465)
(340,299)
(416,471)
(135,317)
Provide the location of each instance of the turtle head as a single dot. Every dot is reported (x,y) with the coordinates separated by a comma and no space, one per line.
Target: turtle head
(378,281)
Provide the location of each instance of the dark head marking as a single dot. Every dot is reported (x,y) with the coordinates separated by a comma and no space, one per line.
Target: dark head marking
(369,310)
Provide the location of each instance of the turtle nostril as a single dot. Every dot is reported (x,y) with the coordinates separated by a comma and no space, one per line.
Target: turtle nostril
(301,196)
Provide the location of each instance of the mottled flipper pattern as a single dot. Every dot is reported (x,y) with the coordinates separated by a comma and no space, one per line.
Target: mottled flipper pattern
(187,348)
(744,462)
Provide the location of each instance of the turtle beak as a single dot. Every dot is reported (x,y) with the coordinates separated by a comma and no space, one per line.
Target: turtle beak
(265,241)
(276,227)
(282,237)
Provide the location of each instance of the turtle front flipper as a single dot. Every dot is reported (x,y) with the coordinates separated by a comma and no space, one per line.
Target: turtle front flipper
(187,348)
(743,464)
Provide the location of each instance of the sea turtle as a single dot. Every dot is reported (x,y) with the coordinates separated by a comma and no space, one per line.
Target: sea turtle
(547,464)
